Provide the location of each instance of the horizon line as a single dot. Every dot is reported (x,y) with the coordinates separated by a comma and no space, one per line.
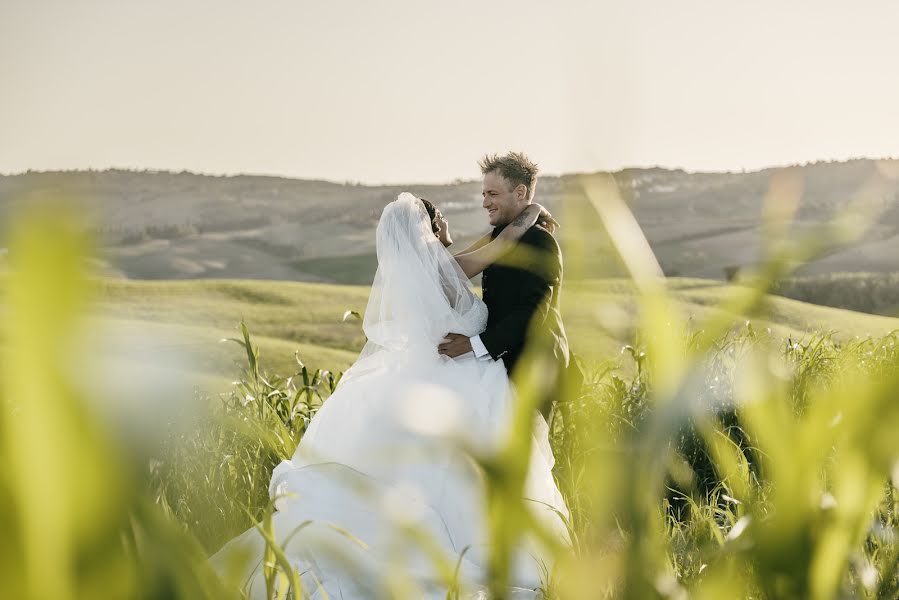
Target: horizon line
(455,181)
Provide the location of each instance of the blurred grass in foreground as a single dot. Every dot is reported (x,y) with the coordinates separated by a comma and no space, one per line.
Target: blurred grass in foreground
(78,521)
(727,465)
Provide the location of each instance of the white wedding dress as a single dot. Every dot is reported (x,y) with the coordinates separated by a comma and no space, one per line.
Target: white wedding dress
(380,467)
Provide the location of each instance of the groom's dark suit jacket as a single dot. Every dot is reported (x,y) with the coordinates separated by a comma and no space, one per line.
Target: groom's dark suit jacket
(521,292)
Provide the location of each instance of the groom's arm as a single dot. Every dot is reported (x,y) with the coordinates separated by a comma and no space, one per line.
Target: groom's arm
(533,289)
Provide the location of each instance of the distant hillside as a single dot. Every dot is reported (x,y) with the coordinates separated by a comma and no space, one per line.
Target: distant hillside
(163,225)
(875,293)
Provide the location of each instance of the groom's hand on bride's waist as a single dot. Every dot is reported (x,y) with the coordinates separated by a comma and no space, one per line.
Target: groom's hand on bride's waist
(454,344)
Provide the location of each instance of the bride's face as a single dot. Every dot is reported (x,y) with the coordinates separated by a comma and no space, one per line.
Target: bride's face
(443,233)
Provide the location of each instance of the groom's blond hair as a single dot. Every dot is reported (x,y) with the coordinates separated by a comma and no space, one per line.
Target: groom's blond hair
(515,167)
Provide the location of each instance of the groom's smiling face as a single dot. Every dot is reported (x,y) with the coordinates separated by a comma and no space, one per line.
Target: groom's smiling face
(502,201)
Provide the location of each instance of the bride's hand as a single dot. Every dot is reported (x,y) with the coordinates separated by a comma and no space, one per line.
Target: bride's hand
(545,219)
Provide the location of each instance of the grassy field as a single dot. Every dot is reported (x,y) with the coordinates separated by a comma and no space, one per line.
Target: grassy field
(285,317)
(184,321)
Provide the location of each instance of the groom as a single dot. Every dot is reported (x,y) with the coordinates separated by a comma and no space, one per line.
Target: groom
(522,290)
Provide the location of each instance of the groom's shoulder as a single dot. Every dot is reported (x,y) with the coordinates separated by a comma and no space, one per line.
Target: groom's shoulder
(542,238)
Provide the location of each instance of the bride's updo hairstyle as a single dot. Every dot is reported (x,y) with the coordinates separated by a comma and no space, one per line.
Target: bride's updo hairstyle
(432,212)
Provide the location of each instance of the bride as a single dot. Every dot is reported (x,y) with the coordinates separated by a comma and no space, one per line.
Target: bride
(379,492)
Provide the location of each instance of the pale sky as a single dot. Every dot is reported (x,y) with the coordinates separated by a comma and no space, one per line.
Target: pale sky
(417,90)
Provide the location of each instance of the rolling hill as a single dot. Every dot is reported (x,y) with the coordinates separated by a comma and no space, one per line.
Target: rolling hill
(163,225)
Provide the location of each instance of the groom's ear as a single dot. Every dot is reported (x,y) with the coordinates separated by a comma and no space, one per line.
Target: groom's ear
(521,192)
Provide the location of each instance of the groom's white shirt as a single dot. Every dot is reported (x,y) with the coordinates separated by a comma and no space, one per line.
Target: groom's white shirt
(478,346)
